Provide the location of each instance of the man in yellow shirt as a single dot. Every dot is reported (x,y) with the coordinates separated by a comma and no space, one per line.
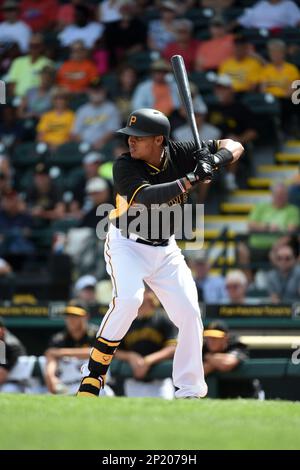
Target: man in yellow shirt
(55,126)
(277,78)
(24,72)
(243,69)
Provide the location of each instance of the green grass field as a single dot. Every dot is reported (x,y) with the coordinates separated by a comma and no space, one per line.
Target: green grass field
(49,422)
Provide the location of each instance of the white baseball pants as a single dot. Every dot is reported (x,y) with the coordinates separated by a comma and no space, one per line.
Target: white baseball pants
(164,269)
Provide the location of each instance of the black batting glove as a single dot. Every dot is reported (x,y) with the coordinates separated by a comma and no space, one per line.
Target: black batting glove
(203,172)
(204,155)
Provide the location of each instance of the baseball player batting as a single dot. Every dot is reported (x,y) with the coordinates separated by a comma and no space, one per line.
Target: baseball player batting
(156,171)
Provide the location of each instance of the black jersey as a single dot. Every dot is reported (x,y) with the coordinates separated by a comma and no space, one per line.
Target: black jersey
(63,339)
(131,175)
(149,334)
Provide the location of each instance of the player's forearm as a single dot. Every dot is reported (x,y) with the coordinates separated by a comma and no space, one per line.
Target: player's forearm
(50,373)
(233,146)
(123,355)
(159,356)
(160,193)
(79,353)
(223,362)
(58,353)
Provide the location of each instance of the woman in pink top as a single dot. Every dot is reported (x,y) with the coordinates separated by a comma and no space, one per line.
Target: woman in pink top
(184,45)
(212,52)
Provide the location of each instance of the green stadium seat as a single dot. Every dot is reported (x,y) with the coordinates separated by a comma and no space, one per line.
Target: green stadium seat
(64,225)
(262,103)
(140,61)
(25,155)
(73,177)
(203,81)
(67,155)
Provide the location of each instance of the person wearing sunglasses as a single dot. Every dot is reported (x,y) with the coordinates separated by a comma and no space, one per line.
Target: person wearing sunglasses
(283,282)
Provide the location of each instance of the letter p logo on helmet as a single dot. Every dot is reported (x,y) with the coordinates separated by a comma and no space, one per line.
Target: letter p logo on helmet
(132,120)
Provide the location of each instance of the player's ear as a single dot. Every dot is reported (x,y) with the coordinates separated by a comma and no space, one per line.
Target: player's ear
(159,139)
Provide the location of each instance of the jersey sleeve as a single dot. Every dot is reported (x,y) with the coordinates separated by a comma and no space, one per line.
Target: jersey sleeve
(128,180)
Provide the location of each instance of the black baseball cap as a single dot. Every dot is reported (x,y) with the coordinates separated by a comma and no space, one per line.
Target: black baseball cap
(146,122)
(216,329)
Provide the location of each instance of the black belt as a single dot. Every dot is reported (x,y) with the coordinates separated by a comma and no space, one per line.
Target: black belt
(148,242)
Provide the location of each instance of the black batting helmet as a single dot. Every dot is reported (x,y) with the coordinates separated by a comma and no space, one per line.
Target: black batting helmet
(146,122)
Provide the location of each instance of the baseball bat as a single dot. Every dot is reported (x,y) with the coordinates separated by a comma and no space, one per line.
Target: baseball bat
(186,98)
(185,94)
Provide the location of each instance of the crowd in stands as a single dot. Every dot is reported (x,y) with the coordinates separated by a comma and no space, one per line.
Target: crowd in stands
(74,70)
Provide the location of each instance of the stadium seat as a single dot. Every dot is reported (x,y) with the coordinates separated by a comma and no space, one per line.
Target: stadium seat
(67,155)
(26,155)
(203,80)
(140,61)
(262,103)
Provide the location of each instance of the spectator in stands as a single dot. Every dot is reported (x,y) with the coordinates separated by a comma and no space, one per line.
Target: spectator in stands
(243,68)
(96,121)
(91,169)
(5,268)
(37,101)
(267,221)
(206,131)
(185,44)
(44,198)
(13,349)
(236,285)
(83,28)
(210,288)
(11,131)
(85,289)
(76,73)
(127,80)
(217,5)
(270,14)
(100,56)
(277,78)
(98,190)
(215,50)
(12,29)
(283,282)
(66,14)
(224,352)
(8,53)
(24,71)
(15,226)
(109,11)
(151,339)
(157,92)
(126,36)
(40,16)
(5,183)
(68,350)
(55,126)
(162,31)
(235,120)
